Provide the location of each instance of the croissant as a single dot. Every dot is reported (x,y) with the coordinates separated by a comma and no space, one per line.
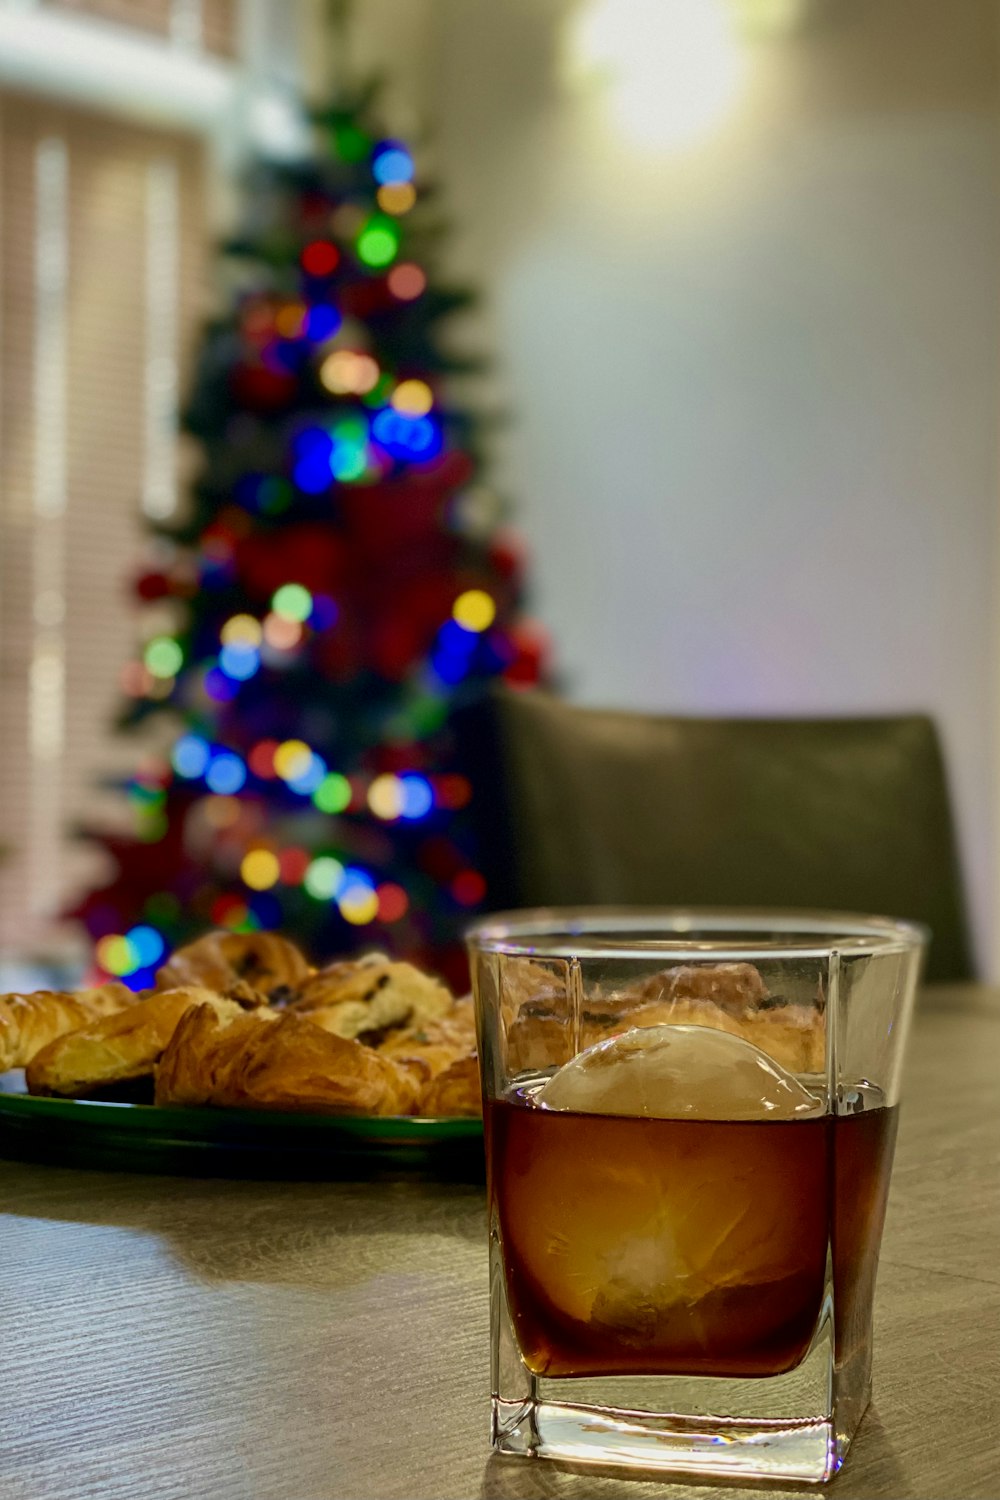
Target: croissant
(264,1060)
(29,1022)
(116,1048)
(455,1091)
(371,993)
(225,962)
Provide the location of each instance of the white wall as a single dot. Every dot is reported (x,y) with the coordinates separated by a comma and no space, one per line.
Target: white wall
(755,380)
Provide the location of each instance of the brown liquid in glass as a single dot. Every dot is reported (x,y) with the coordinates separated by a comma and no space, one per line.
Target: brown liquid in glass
(643,1246)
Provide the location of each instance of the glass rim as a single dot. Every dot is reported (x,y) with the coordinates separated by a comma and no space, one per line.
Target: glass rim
(643,932)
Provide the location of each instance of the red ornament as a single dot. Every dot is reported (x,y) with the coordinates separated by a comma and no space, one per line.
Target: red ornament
(531,644)
(152,586)
(308,554)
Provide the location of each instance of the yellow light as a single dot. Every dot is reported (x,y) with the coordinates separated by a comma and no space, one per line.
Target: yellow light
(396,197)
(672,68)
(346,372)
(115,954)
(241,630)
(359,906)
(259,869)
(385,797)
(414,398)
(474,610)
(292,759)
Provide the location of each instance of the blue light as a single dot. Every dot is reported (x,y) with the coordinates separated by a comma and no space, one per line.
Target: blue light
(355,883)
(190,756)
(226,774)
(322,322)
(418,799)
(312,450)
(324,612)
(219,687)
(148,944)
(406,437)
(239,659)
(311,777)
(391,162)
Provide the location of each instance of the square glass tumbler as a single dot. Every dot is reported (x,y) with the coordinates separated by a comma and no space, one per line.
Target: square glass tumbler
(685,1223)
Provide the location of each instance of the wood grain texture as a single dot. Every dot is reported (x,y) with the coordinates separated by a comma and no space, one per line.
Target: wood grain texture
(182,1339)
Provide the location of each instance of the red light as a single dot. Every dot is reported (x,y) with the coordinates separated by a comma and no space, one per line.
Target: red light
(452,791)
(320,258)
(261,759)
(406,281)
(228,911)
(468,888)
(292,865)
(393,902)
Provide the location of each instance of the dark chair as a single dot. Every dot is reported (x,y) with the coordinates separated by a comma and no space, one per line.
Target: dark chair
(577,806)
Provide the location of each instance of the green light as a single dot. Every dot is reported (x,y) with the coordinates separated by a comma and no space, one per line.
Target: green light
(333,793)
(323,878)
(378,242)
(379,393)
(163,656)
(350,143)
(350,430)
(292,602)
(348,462)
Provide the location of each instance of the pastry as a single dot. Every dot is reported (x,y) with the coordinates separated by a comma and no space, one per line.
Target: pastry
(369,994)
(265,1061)
(29,1022)
(243,965)
(734,986)
(117,1048)
(455,1091)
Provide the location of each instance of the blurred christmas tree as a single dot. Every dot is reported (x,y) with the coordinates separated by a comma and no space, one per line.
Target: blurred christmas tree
(338,585)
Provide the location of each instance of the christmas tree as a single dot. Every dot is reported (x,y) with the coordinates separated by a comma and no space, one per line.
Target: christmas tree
(338,585)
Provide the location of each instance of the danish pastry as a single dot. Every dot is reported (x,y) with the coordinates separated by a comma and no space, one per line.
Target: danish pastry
(263,1060)
(245,962)
(29,1022)
(369,994)
(118,1048)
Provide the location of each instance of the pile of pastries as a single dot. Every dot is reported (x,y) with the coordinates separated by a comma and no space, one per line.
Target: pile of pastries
(244,1020)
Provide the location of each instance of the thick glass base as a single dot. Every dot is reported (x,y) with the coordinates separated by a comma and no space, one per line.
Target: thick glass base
(795,1426)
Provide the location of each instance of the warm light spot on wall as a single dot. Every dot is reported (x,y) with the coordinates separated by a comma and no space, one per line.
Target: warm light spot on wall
(672,68)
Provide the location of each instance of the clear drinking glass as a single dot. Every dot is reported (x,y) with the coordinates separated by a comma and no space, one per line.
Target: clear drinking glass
(684,1227)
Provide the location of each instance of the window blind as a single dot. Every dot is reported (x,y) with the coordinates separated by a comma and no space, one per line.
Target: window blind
(102,242)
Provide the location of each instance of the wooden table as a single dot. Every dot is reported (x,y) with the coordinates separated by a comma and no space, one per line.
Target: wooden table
(164,1337)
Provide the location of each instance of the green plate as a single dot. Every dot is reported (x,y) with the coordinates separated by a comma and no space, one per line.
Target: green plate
(231,1142)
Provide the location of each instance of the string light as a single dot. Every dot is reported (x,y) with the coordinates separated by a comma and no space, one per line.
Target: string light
(333,793)
(311,451)
(293,864)
(320,258)
(378,241)
(322,322)
(347,372)
(259,869)
(147,945)
(116,955)
(292,759)
(413,398)
(393,902)
(163,656)
(324,878)
(190,756)
(281,634)
(468,888)
(357,898)
(241,630)
(474,610)
(391,162)
(136,679)
(308,780)
(290,320)
(239,660)
(226,773)
(292,602)
(261,759)
(408,438)
(406,281)
(396,197)
(385,798)
(418,798)
(219,687)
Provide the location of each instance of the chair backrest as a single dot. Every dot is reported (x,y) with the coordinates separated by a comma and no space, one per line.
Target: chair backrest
(581,806)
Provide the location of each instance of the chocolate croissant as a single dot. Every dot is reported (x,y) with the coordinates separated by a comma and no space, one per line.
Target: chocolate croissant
(268,1060)
(117,1048)
(237,964)
(29,1022)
